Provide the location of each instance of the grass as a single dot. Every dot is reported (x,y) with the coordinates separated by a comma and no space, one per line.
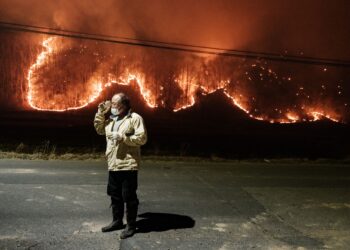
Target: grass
(50,156)
(154,158)
(48,151)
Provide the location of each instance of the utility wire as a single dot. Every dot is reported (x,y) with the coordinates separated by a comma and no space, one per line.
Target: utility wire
(172,46)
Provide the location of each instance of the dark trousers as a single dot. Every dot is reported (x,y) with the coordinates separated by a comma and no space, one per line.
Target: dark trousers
(122,186)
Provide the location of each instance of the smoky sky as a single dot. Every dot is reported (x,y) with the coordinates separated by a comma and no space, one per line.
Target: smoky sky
(317,28)
(264,89)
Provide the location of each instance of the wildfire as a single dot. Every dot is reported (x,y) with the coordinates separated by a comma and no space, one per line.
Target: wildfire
(189,86)
(318,115)
(188,83)
(34,97)
(138,78)
(292,117)
(38,63)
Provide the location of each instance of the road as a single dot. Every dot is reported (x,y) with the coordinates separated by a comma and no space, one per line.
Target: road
(183,205)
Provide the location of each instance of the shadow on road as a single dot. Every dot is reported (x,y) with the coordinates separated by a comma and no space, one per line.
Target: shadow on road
(159,222)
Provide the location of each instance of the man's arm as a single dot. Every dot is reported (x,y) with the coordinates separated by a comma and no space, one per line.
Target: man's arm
(99,123)
(100,120)
(139,137)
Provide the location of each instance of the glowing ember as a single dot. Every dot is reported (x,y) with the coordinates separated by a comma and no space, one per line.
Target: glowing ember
(292,117)
(184,86)
(317,115)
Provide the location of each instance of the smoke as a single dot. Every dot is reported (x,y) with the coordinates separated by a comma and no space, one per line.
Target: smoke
(309,28)
(312,27)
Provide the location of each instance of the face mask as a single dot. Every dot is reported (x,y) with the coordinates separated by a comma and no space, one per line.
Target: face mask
(115,111)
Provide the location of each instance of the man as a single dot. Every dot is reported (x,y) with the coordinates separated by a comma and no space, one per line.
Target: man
(125,133)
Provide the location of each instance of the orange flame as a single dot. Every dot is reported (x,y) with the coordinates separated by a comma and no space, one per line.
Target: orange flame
(188,85)
(33,94)
(187,82)
(38,63)
(95,87)
(292,117)
(127,79)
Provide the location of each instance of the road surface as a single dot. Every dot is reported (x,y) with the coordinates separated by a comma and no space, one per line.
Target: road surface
(183,205)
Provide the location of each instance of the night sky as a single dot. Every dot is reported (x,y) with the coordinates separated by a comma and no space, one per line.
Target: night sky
(180,93)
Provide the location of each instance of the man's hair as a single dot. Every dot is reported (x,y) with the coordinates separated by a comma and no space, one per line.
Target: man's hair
(124,99)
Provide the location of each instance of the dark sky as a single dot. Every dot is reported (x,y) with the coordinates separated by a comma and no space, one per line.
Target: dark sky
(317,28)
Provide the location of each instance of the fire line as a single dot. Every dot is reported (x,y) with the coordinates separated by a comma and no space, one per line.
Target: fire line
(185,84)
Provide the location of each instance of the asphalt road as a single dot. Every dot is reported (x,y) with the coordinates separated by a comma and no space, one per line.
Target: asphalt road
(184,205)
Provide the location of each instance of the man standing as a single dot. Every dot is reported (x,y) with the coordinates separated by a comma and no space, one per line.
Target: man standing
(125,133)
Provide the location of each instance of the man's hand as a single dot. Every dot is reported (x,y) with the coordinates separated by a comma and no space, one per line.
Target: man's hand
(117,136)
(104,107)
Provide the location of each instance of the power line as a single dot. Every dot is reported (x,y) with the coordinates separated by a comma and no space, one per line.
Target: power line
(172,46)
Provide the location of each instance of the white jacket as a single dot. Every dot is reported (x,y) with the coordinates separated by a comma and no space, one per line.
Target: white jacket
(124,155)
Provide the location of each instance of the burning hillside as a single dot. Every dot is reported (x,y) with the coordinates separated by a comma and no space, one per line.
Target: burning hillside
(72,74)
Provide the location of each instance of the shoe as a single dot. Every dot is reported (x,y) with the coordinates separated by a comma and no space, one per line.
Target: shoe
(117,223)
(131,215)
(128,232)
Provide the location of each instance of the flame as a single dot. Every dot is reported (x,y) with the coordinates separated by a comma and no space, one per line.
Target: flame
(146,94)
(292,117)
(139,79)
(38,63)
(33,96)
(241,106)
(318,115)
(95,86)
(189,85)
